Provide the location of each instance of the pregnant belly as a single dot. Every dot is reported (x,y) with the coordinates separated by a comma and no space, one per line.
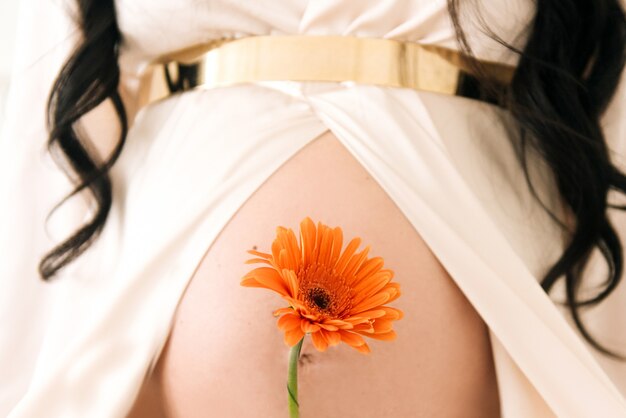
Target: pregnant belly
(226,357)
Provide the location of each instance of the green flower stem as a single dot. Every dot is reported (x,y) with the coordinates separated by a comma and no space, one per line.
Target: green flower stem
(292,380)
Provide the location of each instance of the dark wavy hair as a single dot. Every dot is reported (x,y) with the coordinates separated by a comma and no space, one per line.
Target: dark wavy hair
(568,72)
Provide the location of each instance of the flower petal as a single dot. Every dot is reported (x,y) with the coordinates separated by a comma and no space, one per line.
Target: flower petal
(292,337)
(326,247)
(260,254)
(251,282)
(372,302)
(307,239)
(315,254)
(281,311)
(299,306)
(308,327)
(355,262)
(369,267)
(394,291)
(347,254)
(351,338)
(370,285)
(373,314)
(267,277)
(338,323)
(328,327)
(366,327)
(288,322)
(355,320)
(333,338)
(289,276)
(363,349)
(294,250)
(276,247)
(337,243)
(382,326)
(319,341)
(289,253)
(258,260)
(386,336)
(391,313)
(313,317)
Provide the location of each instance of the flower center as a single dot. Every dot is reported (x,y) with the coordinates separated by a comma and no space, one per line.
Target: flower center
(319,297)
(323,291)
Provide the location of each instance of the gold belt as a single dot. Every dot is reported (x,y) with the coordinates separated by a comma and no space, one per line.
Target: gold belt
(379,61)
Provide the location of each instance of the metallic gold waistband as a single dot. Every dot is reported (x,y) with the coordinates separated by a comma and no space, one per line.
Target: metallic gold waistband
(384,62)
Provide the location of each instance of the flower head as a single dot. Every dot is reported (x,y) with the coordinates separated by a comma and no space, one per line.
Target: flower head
(333,295)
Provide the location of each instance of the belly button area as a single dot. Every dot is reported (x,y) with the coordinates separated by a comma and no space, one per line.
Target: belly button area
(308,354)
(311,358)
(305,359)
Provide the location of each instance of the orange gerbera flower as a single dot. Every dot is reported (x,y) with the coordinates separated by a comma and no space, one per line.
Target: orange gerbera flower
(335,296)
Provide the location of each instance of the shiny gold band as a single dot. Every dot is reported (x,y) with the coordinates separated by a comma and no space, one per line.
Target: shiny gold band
(385,62)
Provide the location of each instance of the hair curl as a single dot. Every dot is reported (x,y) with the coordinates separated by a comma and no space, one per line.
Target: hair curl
(89,77)
(567,74)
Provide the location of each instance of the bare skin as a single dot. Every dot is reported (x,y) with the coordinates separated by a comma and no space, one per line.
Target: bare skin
(226,358)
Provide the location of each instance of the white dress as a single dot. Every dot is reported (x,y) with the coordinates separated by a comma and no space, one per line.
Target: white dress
(81,345)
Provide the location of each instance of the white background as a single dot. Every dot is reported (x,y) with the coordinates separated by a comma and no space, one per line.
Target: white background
(8,18)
